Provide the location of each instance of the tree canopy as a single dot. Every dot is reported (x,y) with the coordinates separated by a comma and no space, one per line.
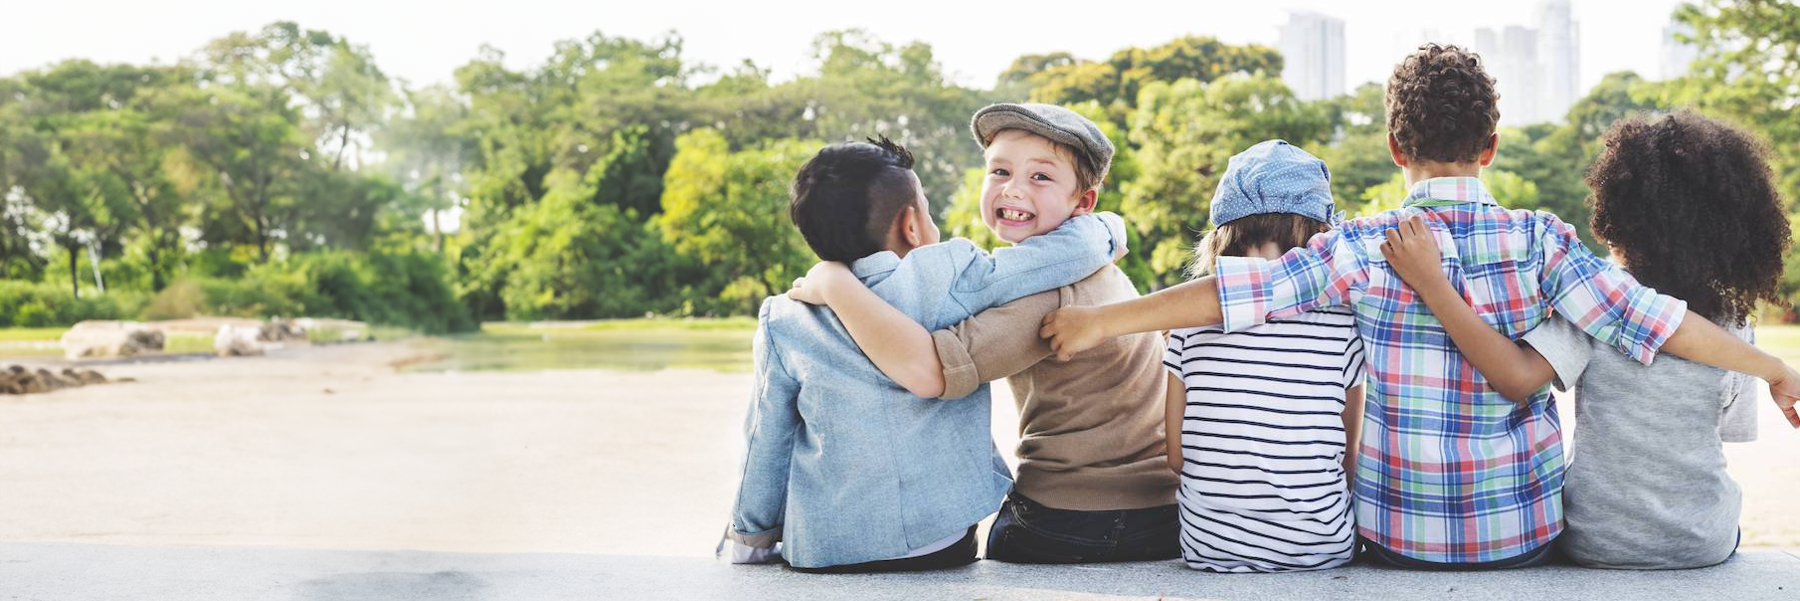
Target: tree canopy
(281,170)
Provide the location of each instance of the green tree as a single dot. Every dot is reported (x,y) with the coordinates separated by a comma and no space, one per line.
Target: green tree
(426,148)
(256,154)
(1186,133)
(1119,79)
(567,257)
(127,157)
(728,211)
(344,93)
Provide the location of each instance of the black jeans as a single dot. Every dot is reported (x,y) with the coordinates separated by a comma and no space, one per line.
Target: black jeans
(961,553)
(1028,532)
(1533,558)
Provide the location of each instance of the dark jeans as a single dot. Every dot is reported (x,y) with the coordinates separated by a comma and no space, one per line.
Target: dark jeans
(961,553)
(1028,532)
(1533,558)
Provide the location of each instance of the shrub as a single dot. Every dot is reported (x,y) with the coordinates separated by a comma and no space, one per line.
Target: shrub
(40,305)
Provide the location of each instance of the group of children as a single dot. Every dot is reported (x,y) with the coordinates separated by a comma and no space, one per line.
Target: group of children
(1324,389)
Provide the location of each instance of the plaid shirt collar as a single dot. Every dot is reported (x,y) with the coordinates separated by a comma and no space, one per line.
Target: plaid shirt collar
(1443,190)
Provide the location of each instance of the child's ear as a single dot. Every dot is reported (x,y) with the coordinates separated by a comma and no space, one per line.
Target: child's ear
(1394,151)
(909,227)
(1086,203)
(1493,148)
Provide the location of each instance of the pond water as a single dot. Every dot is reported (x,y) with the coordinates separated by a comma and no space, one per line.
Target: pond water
(535,349)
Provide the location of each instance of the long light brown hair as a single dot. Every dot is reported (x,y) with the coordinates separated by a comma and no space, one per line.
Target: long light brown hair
(1235,238)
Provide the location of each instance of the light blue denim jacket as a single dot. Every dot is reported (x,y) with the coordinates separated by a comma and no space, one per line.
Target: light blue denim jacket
(845,466)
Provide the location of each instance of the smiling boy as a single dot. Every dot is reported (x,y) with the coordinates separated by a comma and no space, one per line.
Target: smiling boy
(847,471)
(1092,485)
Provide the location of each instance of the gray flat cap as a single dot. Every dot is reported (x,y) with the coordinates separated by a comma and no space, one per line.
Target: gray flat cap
(1050,121)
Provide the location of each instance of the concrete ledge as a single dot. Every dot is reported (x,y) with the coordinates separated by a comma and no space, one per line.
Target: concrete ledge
(80,571)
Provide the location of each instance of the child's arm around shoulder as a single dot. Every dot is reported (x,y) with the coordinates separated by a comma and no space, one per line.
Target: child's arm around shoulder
(1063,256)
(1578,282)
(1072,330)
(897,345)
(1516,372)
(1245,292)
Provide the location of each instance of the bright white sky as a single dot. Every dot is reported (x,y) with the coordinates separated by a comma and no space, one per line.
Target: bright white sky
(424,42)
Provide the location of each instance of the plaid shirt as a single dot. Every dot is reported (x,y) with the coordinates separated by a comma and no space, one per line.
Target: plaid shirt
(1449,470)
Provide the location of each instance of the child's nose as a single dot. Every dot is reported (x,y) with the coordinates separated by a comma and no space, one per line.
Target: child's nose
(1011,190)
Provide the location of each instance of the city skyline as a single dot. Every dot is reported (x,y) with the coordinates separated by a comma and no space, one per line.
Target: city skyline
(426,46)
(1312,47)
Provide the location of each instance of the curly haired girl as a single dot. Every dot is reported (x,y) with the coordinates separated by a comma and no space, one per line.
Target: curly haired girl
(1688,206)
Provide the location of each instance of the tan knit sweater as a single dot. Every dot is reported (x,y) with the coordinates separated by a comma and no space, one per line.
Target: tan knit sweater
(1091,429)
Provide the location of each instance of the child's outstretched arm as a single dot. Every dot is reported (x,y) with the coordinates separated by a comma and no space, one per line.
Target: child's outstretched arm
(1701,341)
(1075,329)
(1515,371)
(897,345)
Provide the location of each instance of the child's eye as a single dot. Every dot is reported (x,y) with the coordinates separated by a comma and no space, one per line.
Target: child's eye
(998,171)
(1042,177)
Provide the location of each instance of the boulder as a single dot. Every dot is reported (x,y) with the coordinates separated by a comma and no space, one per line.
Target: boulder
(110,339)
(30,383)
(55,382)
(238,341)
(285,331)
(84,376)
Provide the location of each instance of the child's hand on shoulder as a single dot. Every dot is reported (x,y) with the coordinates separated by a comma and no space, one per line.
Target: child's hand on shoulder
(1412,250)
(1073,329)
(815,287)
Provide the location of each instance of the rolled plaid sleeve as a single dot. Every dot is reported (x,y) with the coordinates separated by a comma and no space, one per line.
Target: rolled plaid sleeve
(1320,274)
(1601,299)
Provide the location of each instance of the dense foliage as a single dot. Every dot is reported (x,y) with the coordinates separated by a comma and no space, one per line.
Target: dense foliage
(280,172)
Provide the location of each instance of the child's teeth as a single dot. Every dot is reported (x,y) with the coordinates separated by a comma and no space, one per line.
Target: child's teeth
(1014,215)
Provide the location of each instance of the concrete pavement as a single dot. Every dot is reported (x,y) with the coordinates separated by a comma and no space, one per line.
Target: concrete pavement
(81,571)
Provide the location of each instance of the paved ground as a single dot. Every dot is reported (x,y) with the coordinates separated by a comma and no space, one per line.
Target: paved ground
(76,571)
(302,476)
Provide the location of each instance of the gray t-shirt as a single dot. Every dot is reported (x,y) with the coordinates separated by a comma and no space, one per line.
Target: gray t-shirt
(1646,486)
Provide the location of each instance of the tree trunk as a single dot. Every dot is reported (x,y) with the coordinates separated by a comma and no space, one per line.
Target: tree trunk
(156,273)
(74,271)
(437,232)
(343,144)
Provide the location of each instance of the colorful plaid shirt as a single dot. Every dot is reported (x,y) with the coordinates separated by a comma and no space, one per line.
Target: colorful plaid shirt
(1449,471)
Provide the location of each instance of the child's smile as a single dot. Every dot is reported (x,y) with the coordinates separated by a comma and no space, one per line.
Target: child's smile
(1030,187)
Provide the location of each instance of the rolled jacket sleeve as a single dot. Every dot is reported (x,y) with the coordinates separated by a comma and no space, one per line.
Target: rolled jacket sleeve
(769,432)
(996,343)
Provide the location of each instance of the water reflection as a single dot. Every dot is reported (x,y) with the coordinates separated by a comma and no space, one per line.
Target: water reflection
(534,349)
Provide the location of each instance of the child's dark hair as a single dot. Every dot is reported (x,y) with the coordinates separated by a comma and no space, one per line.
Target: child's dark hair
(845,198)
(1691,205)
(1235,238)
(1441,105)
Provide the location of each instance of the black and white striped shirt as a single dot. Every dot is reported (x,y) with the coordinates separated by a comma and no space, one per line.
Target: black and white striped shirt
(1262,437)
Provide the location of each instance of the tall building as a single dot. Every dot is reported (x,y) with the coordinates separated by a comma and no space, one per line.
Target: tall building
(1312,49)
(1676,54)
(1559,51)
(1537,72)
(1510,56)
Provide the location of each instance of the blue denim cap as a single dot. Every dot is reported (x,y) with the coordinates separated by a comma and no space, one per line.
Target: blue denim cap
(1273,177)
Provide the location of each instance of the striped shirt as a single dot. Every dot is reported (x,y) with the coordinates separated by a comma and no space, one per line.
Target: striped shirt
(1262,443)
(1449,471)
